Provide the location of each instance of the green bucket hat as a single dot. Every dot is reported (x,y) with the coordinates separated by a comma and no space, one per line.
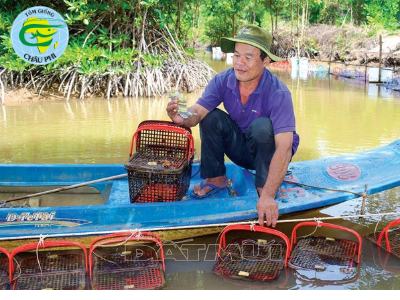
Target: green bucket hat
(251,35)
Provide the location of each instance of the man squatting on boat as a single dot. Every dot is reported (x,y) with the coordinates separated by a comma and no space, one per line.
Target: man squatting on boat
(258,132)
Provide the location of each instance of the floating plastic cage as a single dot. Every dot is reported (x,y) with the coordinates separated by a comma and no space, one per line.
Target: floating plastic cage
(127,261)
(388,242)
(388,238)
(325,259)
(4,268)
(160,169)
(252,259)
(49,270)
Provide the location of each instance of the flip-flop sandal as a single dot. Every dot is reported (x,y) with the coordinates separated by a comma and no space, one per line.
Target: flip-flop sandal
(213,191)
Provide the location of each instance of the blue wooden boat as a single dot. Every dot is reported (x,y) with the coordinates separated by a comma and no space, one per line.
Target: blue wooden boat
(105,207)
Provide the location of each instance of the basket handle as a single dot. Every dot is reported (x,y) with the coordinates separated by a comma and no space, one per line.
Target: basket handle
(179,130)
(313,223)
(126,234)
(385,232)
(45,244)
(124,239)
(10,262)
(5,251)
(257,228)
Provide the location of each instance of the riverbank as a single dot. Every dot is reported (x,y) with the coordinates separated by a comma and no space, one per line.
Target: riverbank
(22,95)
(341,44)
(321,43)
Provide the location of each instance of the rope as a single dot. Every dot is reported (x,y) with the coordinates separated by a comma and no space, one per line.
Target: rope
(328,189)
(40,243)
(363,195)
(205,226)
(318,220)
(376,226)
(19,270)
(135,232)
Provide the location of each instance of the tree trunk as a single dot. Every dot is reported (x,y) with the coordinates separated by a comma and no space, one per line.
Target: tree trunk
(302,20)
(198,24)
(233,26)
(272,18)
(178,19)
(254,12)
(291,21)
(195,16)
(298,16)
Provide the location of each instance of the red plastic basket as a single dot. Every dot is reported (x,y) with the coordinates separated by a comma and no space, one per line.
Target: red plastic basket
(49,270)
(142,267)
(160,169)
(392,238)
(316,258)
(252,259)
(388,238)
(5,257)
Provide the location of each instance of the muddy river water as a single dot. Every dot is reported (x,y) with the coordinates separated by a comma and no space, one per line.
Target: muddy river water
(334,116)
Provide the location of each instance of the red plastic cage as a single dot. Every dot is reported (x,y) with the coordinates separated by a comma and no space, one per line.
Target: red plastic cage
(387,239)
(252,259)
(139,266)
(392,238)
(316,258)
(160,169)
(57,270)
(5,258)
(341,247)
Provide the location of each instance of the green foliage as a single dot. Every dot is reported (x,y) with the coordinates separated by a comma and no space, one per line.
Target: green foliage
(383,12)
(101,35)
(122,34)
(309,45)
(217,28)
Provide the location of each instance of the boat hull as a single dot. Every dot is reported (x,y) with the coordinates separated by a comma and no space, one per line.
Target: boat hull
(308,185)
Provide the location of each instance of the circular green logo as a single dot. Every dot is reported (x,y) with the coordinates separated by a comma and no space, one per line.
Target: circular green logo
(39,35)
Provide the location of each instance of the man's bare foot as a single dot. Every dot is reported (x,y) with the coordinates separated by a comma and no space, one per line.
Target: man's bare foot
(220,181)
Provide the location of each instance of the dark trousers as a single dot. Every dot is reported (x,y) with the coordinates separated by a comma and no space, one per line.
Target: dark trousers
(251,150)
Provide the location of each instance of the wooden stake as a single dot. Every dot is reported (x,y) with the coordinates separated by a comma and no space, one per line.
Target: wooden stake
(380,58)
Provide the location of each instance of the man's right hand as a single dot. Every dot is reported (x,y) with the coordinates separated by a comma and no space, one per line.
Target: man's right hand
(172,111)
(267,206)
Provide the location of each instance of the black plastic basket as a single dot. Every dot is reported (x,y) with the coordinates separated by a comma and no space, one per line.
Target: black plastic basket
(160,169)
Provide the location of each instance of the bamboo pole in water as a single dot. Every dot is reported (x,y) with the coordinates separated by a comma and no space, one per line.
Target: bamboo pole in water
(2,87)
(380,58)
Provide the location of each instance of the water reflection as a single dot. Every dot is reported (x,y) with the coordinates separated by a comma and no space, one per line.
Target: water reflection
(4,113)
